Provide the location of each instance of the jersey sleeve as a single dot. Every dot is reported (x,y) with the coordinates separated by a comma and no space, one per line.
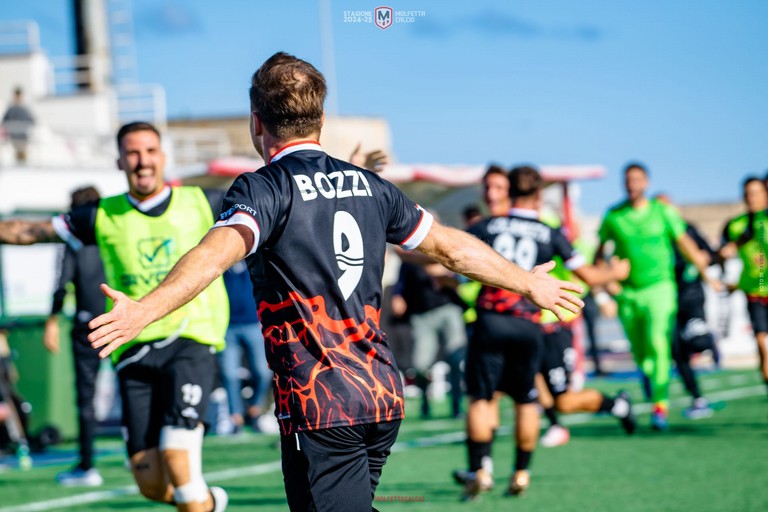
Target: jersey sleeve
(701,242)
(253,201)
(66,274)
(78,226)
(572,258)
(673,221)
(408,223)
(605,232)
(725,236)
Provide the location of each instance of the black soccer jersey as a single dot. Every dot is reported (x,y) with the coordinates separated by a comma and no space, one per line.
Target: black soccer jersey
(526,241)
(321,226)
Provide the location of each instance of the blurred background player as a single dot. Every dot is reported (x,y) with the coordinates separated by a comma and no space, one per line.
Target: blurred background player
(692,334)
(82,268)
(644,231)
(244,338)
(495,183)
(746,236)
(506,350)
(426,293)
(558,355)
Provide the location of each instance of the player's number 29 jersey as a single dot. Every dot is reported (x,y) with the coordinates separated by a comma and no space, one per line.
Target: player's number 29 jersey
(526,241)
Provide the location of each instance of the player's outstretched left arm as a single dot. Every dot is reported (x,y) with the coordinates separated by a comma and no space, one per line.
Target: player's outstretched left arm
(27,232)
(463,253)
(216,252)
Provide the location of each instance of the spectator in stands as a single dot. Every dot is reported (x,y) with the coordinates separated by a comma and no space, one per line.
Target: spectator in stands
(18,122)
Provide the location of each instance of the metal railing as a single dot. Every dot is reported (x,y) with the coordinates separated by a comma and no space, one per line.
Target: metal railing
(144,102)
(19,37)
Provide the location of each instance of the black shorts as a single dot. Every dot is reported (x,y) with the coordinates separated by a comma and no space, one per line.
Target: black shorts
(688,309)
(336,469)
(503,355)
(758,313)
(558,360)
(163,385)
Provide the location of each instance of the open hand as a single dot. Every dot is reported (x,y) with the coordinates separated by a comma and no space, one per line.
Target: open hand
(553,294)
(119,326)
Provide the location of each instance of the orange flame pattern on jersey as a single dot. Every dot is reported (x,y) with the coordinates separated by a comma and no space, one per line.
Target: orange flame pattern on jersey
(329,372)
(504,301)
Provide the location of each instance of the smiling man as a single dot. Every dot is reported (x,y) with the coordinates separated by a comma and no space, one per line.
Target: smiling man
(166,372)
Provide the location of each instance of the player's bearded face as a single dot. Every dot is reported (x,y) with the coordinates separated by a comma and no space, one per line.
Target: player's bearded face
(636,183)
(143,161)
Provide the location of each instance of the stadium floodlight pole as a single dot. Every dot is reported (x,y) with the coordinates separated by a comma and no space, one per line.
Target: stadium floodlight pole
(329,60)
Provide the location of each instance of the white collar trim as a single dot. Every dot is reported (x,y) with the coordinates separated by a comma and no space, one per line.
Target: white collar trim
(148,204)
(313,146)
(524,212)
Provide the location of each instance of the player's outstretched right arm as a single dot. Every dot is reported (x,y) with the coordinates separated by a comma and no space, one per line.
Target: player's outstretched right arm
(462,253)
(26,232)
(216,252)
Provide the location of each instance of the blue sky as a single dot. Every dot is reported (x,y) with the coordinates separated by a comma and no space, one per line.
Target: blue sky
(678,85)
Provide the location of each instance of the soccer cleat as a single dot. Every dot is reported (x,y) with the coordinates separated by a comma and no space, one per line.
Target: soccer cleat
(659,419)
(79,477)
(481,481)
(556,435)
(220,499)
(461,476)
(628,420)
(519,483)
(700,409)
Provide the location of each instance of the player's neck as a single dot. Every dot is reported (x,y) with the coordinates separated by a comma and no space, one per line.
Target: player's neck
(525,204)
(640,202)
(273,145)
(141,199)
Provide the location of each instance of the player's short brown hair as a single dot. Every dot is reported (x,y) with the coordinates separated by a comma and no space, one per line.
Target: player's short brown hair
(288,94)
(524,181)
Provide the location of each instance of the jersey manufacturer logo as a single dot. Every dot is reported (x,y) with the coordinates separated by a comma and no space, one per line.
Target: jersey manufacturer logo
(348,247)
(237,208)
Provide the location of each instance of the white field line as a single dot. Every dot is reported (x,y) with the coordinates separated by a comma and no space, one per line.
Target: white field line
(269,467)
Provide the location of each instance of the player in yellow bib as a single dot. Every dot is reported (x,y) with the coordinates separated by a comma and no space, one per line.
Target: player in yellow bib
(166,373)
(644,231)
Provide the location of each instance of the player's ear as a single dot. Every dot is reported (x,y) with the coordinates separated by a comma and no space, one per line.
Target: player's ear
(256,125)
